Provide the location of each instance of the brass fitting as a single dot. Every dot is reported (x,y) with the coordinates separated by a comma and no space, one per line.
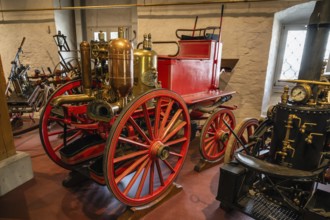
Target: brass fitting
(285,95)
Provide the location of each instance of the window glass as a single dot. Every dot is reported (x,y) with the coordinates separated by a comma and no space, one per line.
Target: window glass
(113,35)
(292,54)
(96,36)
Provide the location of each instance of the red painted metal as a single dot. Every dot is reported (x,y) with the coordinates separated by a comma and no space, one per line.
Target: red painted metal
(51,125)
(215,134)
(144,175)
(190,73)
(52,120)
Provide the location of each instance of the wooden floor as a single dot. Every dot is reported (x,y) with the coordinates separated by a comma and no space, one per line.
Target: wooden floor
(44,197)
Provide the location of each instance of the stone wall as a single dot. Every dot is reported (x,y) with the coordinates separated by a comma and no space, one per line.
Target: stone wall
(246,35)
(39,49)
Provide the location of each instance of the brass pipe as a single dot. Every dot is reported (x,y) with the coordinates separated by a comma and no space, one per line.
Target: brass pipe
(85,51)
(69,99)
(305,81)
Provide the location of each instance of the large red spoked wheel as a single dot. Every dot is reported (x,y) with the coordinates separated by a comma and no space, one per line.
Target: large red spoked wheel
(146,147)
(51,123)
(215,134)
(245,129)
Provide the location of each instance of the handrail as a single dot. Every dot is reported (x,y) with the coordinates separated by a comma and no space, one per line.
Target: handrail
(202,31)
(164,42)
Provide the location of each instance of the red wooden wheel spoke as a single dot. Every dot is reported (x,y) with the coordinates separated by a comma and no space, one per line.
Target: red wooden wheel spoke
(55,118)
(211,133)
(59,132)
(250,130)
(136,175)
(208,139)
(147,119)
(170,124)
(217,122)
(208,146)
(129,141)
(157,116)
(166,115)
(138,129)
(160,175)
(130,156)
(243,139)
(143,179)
(174,131)
(213,149)
(213,127)
(177,141)
(176,154)
(130,168)
(169,166)
(151,179)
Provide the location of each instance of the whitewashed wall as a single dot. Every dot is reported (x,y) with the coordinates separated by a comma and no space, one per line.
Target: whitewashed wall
(246,35)
(37,27)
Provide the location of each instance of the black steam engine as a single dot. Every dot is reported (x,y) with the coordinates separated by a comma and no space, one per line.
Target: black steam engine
(281,171)
(276,175)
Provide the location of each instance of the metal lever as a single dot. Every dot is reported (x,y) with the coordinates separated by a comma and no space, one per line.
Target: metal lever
(237,138)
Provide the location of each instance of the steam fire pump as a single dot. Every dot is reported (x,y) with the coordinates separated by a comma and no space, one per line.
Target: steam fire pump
(121,128)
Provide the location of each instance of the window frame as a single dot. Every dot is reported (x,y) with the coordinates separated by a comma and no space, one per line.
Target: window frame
(281,50)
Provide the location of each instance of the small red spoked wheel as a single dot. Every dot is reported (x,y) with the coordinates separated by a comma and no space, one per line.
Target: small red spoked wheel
(215,134)
(245,129)
(146,147)
(51,123)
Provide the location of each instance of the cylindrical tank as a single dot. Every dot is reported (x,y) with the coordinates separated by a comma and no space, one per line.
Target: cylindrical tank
(304,129)
(85,51)
(145,68)
(121,65)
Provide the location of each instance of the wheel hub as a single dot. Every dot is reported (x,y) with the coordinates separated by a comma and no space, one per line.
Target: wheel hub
(159,150)
(222,136)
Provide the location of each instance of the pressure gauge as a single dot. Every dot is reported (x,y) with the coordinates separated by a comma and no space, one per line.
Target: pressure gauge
(301,93)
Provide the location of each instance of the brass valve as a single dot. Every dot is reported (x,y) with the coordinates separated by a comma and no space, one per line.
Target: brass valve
(304,126)
(282,153)
(309,138)
(286,147)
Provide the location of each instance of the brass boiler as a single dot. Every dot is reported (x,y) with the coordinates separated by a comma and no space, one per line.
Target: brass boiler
(114,96)
(120,67)
(145,67)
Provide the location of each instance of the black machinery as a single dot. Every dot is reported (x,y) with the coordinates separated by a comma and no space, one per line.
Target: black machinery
(276,175)
(282,170)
